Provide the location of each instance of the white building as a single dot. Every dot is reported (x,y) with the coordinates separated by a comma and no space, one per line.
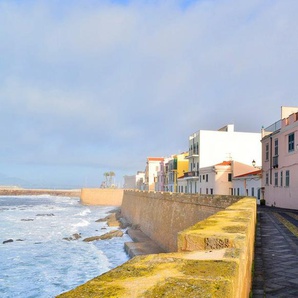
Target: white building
(208,148)
(134,181)
(248,184)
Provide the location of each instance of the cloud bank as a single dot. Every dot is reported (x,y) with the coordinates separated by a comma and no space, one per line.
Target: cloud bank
(104,84)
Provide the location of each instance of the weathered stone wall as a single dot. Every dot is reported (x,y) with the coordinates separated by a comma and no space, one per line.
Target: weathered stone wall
(101,196)
(162,215)
(214,260)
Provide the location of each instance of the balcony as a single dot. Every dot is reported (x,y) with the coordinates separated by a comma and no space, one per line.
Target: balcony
(273,127)
(192,153)
(275,161)
(192,174)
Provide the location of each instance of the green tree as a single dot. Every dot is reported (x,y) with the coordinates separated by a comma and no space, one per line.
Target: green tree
(106,174)
(111,175)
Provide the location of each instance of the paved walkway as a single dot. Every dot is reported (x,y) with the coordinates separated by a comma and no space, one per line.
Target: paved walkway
(276,253)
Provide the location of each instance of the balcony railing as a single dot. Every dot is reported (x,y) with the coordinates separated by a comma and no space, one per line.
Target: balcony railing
(191,174)
(192,153)
(274,127)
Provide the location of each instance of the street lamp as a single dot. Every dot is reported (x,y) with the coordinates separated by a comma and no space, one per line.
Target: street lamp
(253,163)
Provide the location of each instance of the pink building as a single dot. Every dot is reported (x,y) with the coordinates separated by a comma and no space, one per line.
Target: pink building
(280,160)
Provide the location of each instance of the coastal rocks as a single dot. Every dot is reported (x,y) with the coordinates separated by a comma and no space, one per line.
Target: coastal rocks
(111,219)
(109,235)
(11,240)
(115,220)
(75,236)
(27,219)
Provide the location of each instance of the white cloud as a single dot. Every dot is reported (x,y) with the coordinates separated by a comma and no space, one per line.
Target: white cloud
(138,78)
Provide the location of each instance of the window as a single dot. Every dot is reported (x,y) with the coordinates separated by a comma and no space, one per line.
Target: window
(267,179)
(291,140)
(275,147)
(287,178)
(203,177)
(238,191)
(211,191)
(276,179)
(206,191)
(281,178)
(267,152)
(230,177)
(206,177)
(252,192)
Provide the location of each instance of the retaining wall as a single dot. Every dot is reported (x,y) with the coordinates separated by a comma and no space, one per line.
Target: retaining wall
(162,215)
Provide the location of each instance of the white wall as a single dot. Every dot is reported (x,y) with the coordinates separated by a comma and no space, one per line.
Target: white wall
(218,146)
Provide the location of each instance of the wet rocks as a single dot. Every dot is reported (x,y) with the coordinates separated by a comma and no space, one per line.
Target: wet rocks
(109,235)
(115,220)
(75,236)
(7,241)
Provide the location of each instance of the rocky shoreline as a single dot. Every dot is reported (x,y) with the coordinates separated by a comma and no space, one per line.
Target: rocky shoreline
(141,245)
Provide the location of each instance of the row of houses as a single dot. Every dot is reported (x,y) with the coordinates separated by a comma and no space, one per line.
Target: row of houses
(228,162)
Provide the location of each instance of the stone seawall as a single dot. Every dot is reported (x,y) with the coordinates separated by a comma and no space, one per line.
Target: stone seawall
(101,196)
(162,215)
(214,260)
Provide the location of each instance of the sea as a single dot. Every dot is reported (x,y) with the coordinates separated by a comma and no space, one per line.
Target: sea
(38,257)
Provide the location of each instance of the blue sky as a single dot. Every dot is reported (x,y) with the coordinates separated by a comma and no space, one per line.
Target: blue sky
(93,86)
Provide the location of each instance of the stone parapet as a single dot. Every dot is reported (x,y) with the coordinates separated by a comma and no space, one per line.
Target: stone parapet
(214,260)
(101,196)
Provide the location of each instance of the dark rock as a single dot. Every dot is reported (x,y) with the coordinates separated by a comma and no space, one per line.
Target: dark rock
(75,236)
(19,240)
(7,241)
(27,219)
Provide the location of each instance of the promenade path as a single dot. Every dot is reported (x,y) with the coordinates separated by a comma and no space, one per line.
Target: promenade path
(276,253)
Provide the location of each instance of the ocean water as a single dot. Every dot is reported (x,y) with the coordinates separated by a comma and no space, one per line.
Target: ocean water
(39,262)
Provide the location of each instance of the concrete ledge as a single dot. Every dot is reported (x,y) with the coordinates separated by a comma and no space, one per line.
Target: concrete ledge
(142,244)
(214,260)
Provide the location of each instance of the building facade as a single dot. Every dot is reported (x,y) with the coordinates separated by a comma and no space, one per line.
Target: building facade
(176,167)
(208,148)
(248,184)
(280,160)
(151,170)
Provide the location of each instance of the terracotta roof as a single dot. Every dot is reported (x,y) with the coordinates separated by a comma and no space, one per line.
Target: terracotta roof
(224,163)
(155,158)
(257,172)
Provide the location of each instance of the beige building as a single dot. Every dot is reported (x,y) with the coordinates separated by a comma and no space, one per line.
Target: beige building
(151,170)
